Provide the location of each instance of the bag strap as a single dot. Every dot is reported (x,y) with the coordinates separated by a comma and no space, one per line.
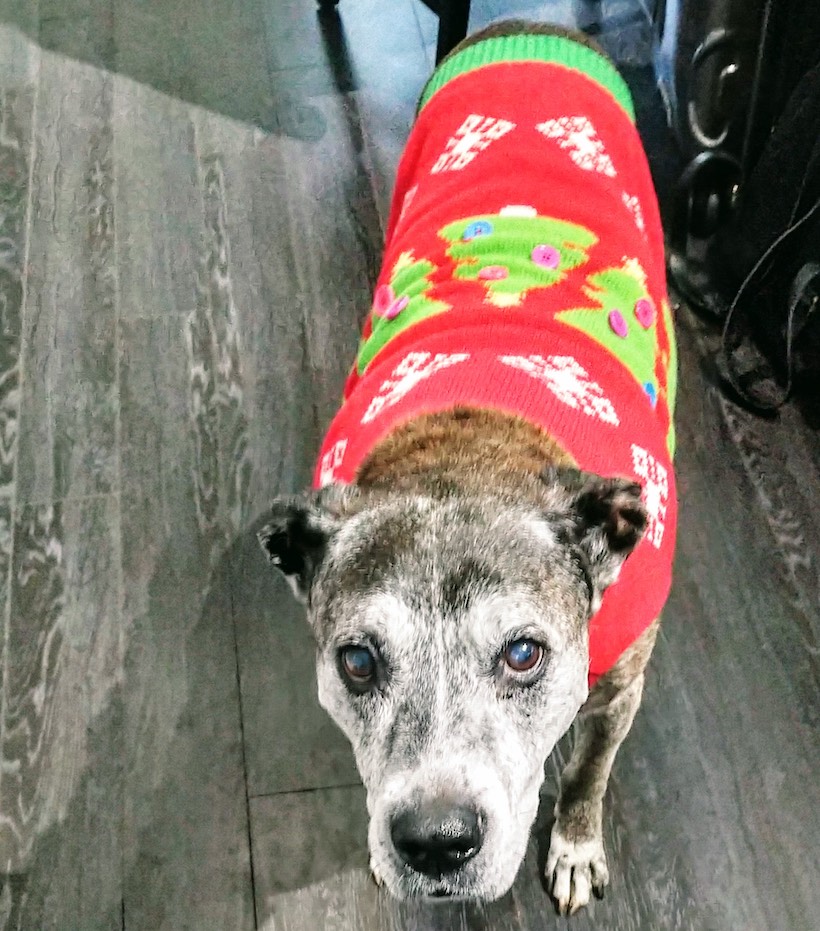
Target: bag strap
(799,295)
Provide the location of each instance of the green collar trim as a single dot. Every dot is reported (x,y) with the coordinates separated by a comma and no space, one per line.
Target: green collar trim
(557,50)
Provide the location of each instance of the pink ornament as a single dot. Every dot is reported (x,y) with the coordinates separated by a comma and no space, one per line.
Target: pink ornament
(383,298)
(493,273)
(546,256)
(645,312)
(396,307)
(618,324)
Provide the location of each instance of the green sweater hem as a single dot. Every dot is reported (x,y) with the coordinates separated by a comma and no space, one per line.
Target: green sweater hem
(556,50)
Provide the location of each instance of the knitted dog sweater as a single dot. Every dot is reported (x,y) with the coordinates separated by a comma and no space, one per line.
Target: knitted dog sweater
(524,272)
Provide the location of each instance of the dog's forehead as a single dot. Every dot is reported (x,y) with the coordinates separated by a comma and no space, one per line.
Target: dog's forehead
(422,559)
(460,543)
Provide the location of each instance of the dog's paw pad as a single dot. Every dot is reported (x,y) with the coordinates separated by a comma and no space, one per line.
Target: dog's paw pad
(575,869)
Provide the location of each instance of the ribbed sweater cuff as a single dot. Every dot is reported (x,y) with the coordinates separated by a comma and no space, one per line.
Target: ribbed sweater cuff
(556,50)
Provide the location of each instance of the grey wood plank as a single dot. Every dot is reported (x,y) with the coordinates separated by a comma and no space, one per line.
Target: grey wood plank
(61,743)
(186,854)
(17,93)
(243,298)
(291,743)
(744,652)
(69,407)
(187,419)
(293,36)
(310,860)
(309,211)
(16,104)
(212,55)
(780,460)
(20,55)
(386,118)
(335,236)
(159,202)
(184,426)
(246,209)
(78,29)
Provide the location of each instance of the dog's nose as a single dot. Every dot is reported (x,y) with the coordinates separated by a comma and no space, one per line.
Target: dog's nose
(437,838)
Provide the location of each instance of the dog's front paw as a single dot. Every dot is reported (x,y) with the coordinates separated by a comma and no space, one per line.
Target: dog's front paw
(574,869)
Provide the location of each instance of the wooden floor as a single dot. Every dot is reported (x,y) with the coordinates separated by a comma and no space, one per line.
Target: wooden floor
(192,200)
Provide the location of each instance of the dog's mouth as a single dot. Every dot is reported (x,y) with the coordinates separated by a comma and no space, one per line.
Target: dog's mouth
(447,891)
(445,895)
(465,884)
(443,890)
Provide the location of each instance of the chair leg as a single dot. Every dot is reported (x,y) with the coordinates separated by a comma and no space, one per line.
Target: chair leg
(452,27)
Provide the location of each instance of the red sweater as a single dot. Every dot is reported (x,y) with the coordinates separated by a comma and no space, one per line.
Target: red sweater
(524,272)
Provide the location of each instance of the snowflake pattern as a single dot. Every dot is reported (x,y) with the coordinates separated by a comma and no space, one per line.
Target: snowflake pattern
(331,463)
(655,495)
(632,204)
(472,137)
(578,136)
(415,367)
(569,381)
(408,199)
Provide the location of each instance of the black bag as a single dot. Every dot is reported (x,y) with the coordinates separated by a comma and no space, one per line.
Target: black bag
(771,247)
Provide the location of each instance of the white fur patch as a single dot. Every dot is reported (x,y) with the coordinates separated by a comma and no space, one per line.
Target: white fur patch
(542,531)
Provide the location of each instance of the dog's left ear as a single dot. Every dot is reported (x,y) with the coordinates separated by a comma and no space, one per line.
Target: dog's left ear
(298,530)
(606,522)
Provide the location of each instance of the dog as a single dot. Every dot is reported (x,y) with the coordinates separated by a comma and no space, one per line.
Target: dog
(489,543)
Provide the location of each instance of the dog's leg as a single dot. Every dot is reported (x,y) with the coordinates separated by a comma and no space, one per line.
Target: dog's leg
(576,863)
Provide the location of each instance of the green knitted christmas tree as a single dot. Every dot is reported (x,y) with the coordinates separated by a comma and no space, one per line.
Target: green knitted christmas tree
(516,251)
(624,321)
(398,305)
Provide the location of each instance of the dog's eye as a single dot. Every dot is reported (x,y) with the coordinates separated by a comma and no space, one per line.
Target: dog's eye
(359,664)
(523,655)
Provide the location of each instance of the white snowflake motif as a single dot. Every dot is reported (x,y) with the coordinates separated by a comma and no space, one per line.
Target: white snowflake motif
(569,381)
(415,367)
(655,480)
(578,136)
(472,137)
(331,462)
(632,204)
(408,199)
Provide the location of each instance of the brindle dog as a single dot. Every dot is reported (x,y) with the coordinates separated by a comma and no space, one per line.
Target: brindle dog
(465,529)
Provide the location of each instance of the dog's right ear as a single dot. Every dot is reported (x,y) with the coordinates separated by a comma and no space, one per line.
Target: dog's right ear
(607,520)
(298,530)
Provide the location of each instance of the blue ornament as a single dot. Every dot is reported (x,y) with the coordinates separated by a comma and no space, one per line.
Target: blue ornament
(477,228)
